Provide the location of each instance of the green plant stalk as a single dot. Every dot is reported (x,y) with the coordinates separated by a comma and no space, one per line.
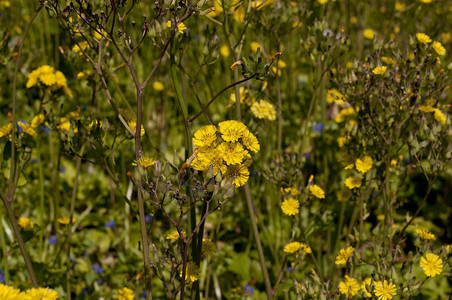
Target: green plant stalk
(41,198)
(21,243)
(249,202)
(4,257)
(69,227)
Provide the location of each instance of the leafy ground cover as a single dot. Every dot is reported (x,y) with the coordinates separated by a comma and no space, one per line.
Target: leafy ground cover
(219,149)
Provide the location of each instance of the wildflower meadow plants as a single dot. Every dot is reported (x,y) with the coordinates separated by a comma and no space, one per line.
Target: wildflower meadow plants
(215,149)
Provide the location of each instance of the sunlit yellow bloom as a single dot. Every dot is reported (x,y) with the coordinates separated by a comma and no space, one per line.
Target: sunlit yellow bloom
(231,130)
(10,293)
(205,136)
(133,125)
(158,86)
(26,128)
(349,167)
(438,48)
(426,109)
(322,1)
(349,286)
(37,120)
(341,141)
(344,113)
(344,255)
(423,38)
(290,207)
(264,110)
(366,282)
(254,46)
(238,173)
(65,220)
(5,129)
(379,70)
(292,191)
(125,294)
(224,50)
(399,6)
(25,223)
(175,235)
(145,162)
(425,234)
(439,116)
(387,60)
(233,153)
(292,247)
(369,34)
(432,264)
(79,47)
(49,77)
(250,141)
(180,28)
(333,95)
(191,272)
(353,182)
(364,165)
(384,290)
(426,1)
(41,294)
(317,191)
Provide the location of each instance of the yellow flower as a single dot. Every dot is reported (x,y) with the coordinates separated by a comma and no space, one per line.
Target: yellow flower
(238,173)
(322,1)
(205,136)
(191,272)
(49,77)
(5,129)
(264,110)
(145,162)
(387,60)
(41,294)
(10,293)
(439,116)
(250,141)
(133,125)
(292,191)
(426,1)
(27,128)
(125,294)
(353,182)
(344,114)
(254,46)
(364,165)
(399,6)
(426,109)
(423,38)
(366,282)
(334,95)
(425,234)
(317,191)
(379,70)
(65,220)
(292,247)
(37,120)
(180,28)
(384,290)
(341,141)
(25,223)
(344,255)
(208,248)
(175,235)
(438,48)
(212,157)
(290,207)
(233,153)
(81,46)
(369,34)
(224,50)
(158,86)
(306,249)
(349,287)
(231,130)
(432,264)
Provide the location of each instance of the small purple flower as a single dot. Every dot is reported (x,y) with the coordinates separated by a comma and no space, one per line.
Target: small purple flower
(110,224)
(53,240)
(318,127)
(290,269)
(2,276)
(100,281)
(249,290)
(85,292)
(147,218)
(45,129)
(34,160)
(62,170)
(143,295)
(97,268)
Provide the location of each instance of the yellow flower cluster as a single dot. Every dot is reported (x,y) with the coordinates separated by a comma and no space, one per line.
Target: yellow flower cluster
(333,95)
(49,77)
(363,165)
(432,264)
(438,114)
(380,70)
(344,255)
(317,191)
(290,207)
(11,293)
(353,182)
(349,286)
(5,129)
(295,246)
(25,223)
(230,156)
(263,110)
(425,234)
(180,28)
(437,46)
(125,294)
(145,162)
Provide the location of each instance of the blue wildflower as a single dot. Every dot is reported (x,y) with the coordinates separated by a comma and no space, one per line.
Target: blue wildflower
(53,240)
(318,127)
(97,268)
(2,276)
(249,290)
(110,224)
(147,218)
